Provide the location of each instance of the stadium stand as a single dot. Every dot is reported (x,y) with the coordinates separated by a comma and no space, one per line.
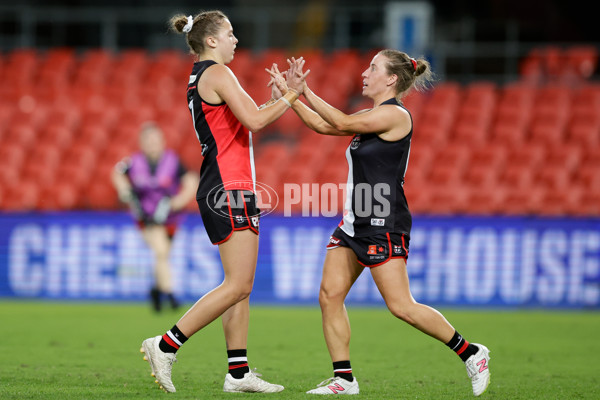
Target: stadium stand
(528,147)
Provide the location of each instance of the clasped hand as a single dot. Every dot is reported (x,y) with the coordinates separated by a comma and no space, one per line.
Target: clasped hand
(294,78)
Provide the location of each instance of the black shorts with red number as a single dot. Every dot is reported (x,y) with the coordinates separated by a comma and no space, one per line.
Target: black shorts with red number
(373,250)
(224,212)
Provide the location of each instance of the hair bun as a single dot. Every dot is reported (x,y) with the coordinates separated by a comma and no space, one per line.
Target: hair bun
(421,68)
(178,22)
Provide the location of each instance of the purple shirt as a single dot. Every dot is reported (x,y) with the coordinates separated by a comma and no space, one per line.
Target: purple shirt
(151,187)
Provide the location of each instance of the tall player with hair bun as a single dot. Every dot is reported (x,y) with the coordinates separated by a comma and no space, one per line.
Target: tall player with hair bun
(378,236)
(224,117)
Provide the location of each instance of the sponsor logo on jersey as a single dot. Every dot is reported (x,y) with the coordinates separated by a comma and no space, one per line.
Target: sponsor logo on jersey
(355,143)
(377,222)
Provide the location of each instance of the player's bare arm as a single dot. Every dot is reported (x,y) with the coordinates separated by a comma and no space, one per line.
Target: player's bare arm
(219,84)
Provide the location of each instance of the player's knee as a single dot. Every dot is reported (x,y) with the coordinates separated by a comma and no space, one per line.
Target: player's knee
(401,312)
(328,296)
(161,254)
(244,292)
(241,291)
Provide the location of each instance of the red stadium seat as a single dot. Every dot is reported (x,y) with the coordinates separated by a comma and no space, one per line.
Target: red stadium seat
(115,152)
(567,156)
(582,60)
(482,201)
(472,132)
(515,103)
(288,124)
(126,133)
(266,58)
(546,132)
(512,116)
(446,200)
(529,156)
(493,155)
(445,95)
(59,197)
(433,127)
(481,176)
(21,197)
(454,155)
(588,204)
(481,92)
(519,177)
(242,65)
(553,177)
(45,155)
(12,155)
(73,174)
(418,198)
(318,63)
(55,135)
(559,202)
(414,102)
(67,116)
(305,158)
(520,202)
(6,111)
(100,195)
(479,102)
(271,156)
(588,176)
(587,94)
(92,135)
(21,134)
(475,114)
(584,133)
(421,158)
(443,175)
(103,115)
(39,174)
(9,176)
(20,66)
(191,154)
(83,156)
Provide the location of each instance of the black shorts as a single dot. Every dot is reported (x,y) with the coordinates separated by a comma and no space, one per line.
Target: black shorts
(224,212)
(373,250)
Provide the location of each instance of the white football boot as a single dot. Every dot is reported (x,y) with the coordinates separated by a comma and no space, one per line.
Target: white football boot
(478,369)
(160,362)
(250,383)
(336,385)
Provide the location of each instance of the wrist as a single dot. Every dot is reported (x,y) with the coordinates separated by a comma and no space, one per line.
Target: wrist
(290,97)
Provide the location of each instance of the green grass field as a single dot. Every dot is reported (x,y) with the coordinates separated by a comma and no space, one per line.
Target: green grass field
(91,351)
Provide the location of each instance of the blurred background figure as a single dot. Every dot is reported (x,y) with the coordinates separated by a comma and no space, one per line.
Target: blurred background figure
(156,186)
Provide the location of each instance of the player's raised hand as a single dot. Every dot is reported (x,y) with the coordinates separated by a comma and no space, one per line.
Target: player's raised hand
(277,82)
(295,77)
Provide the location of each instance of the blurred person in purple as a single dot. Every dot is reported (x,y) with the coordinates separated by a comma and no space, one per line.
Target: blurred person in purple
(156,186)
